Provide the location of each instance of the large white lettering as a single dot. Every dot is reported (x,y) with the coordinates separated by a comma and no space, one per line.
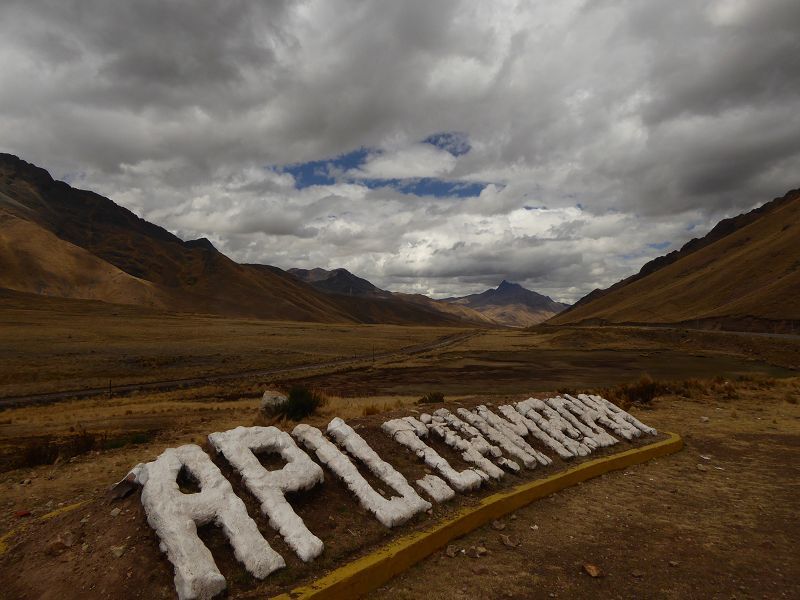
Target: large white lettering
(239,446)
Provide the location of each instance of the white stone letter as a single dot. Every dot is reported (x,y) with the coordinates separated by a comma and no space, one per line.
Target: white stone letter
(407,435)
(175,516)
(270,487)
(390,513)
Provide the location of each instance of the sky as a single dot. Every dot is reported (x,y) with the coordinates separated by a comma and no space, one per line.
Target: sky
(434,147)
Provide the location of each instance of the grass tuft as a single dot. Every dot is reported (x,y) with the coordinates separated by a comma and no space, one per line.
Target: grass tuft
(301,402)
(431,398)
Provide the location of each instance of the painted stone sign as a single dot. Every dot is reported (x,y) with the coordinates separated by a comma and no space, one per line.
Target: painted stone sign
(490,442)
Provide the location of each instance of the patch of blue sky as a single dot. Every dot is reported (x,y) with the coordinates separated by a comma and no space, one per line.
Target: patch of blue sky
(342,167)
(429,186)
(452,141)
(325,172)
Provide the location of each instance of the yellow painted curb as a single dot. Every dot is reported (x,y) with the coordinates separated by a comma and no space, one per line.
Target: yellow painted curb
(9,534)
(370,572)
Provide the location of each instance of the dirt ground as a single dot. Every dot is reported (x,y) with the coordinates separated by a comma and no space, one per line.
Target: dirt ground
(669,528)
(717,520)
(665,529)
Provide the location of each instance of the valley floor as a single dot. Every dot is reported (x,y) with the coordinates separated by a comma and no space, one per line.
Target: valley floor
(669,528)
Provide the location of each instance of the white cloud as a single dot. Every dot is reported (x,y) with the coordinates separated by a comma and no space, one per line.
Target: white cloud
(408,162)
(620,124)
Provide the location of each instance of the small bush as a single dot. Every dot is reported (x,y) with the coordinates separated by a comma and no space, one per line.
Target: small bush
(139,437)
(431,398)
(642,391)
(301,402)
(47,450)
(38,452)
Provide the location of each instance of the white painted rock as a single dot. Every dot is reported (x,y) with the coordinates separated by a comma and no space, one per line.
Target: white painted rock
(271,399)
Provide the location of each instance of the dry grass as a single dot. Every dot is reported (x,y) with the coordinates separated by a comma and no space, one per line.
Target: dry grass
(752,271)
(431,398)
(92,345)
(646,389)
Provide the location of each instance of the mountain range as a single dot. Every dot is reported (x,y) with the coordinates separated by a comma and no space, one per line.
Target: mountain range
(509,304)
(56,240)
(59,241)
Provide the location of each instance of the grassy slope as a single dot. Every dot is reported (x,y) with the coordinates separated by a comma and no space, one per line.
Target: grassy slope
(754,272)
(34,260)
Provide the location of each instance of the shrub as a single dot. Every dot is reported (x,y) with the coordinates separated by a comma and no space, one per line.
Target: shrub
(642,391)
(431,398)
(301,402)
(371,409)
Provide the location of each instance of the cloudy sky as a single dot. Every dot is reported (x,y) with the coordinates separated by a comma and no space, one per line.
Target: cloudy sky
(434,146)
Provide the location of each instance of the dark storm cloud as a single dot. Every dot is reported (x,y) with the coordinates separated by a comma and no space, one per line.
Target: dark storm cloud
(634,123)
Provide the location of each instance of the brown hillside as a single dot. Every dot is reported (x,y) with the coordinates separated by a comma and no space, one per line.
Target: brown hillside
(745,273)
(193,275)
(34,260)
(455,310)
(516,315)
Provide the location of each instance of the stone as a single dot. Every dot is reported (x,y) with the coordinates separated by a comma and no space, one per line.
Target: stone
(270,400)
(117,551)
(498,525)
(452,551)
(702,467)
(115,512)
(476,551)
(704,419)
(592,570)
(54,547)
(507,541)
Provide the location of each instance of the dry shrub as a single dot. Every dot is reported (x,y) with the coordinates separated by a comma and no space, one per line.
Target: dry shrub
(729,391)
(38,452)
(47,450)
(646,389)
(757,381)
(371,409)
(431,398)
(301,402)
(642,391)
